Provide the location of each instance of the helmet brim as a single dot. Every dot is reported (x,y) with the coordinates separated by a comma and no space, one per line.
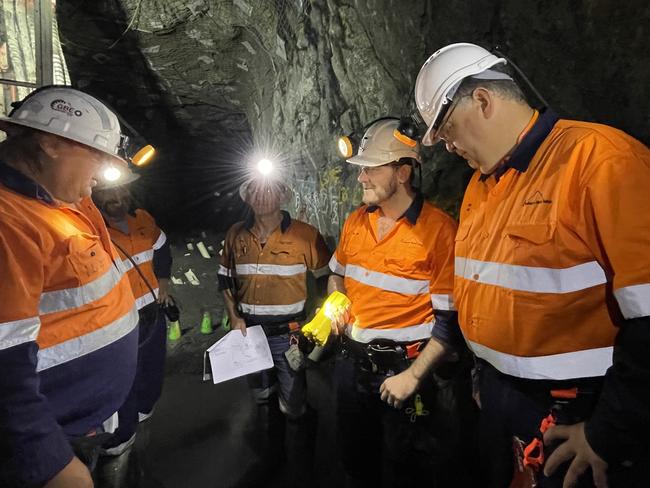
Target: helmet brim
(9,125)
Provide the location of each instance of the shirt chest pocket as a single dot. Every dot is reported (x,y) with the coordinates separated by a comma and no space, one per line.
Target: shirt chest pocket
(354,244)
(87,258)
(409,257)
(532,244)
(287,255)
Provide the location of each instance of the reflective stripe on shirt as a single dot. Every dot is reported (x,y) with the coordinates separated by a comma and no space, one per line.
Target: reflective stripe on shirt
(578,364)
(529,278)
(146,299)
(162,238)
(336,267)
(403,334)
(443,302)
(18,332)
(634,300)
(385,281)
(79,346)
(141,257)
(270,269)
(69,298)
(293,308)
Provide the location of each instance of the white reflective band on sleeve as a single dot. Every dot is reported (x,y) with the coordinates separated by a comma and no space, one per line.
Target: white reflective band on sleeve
(634,300)
(404,334)
(443,302)
(386,282)
(162,238)
(111,424)
(18,332)
(140,258)
(85,344)
(145,299)
(569,365)
(320,272)
(272,309)
(224,271)
(270,269)
(528,278)
(69,298)
(336,267)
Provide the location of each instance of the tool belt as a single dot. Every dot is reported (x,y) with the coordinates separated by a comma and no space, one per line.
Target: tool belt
(286,325)
(382,356)
(279,328)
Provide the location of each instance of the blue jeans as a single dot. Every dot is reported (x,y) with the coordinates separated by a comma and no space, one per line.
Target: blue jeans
(290,385)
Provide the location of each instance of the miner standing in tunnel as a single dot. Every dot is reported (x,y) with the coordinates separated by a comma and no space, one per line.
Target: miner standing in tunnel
(68,337)
(263,276)
(552,275)
(146,255)
(394,261)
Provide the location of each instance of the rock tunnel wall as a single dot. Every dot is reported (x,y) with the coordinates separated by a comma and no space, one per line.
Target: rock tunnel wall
(207,80)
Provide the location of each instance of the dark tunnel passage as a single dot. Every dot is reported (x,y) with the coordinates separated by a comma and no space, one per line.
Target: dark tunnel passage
(218,85)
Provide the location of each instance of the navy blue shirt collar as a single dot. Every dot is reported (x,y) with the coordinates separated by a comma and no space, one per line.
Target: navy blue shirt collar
(412,213)
(20,183)
(524,152)
(284,225)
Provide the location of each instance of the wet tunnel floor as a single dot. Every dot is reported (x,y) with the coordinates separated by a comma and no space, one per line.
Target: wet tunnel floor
(205,435)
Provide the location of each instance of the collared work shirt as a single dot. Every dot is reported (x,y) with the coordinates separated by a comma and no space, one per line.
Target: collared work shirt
(396,283)
(141,242)
(68,337)
(271,280)
(554,254)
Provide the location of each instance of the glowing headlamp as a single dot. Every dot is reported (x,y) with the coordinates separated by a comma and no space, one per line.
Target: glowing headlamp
(265,166)
(346,147)
(144,155)
(111,174)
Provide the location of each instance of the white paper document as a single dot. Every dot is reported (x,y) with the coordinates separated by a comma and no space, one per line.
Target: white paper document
(235,355)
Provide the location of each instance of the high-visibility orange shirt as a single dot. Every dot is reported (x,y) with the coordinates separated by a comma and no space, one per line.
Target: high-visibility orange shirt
(143,238)
(68,336)
(553,252)
(272,278)
(396,283)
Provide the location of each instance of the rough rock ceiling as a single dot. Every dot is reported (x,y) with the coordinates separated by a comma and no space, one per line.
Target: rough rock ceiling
(207,79)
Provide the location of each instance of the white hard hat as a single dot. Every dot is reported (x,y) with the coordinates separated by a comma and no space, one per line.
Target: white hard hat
(441,75)
(69,113)
(379,146)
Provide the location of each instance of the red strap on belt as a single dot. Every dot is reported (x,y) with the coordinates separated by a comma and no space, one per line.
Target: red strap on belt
(413,350)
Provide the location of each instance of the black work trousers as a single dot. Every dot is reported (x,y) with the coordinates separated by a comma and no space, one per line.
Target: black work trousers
(513,407)
(381,446)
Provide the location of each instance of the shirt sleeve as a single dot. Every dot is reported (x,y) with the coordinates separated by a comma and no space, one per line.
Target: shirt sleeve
(318,256)
(225,271)
(445,327)
(162,255)
(616,215)
(33,447)
(338,261)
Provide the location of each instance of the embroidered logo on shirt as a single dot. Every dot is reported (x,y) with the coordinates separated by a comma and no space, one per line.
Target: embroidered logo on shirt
(536,199)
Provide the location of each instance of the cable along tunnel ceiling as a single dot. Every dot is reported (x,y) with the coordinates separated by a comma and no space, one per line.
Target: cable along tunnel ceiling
(205,79)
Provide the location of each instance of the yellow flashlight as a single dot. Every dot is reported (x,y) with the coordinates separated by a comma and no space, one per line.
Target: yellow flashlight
(318,330)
